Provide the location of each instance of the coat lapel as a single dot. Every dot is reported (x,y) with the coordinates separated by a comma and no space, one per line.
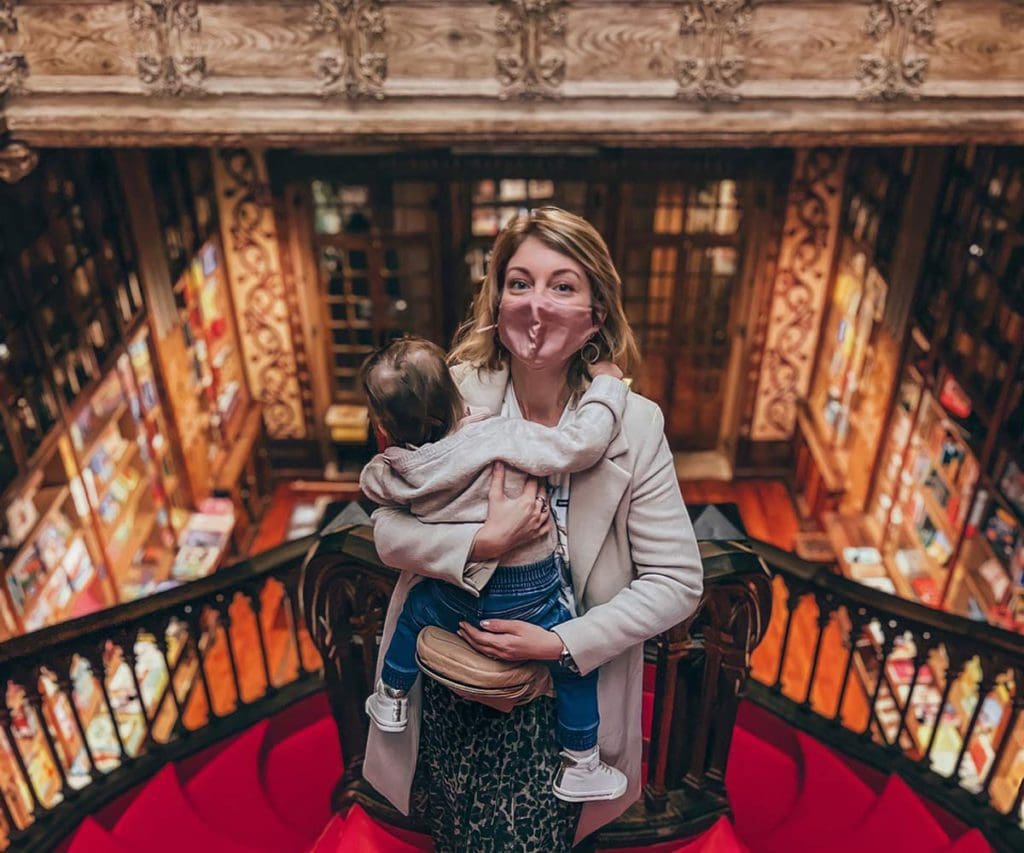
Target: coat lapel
(593,501)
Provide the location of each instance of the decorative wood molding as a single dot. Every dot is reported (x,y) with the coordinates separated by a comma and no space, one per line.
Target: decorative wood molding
(902,30)
(171,65)
(13,67)
(16,161)
(713,29)
(618,73)
(531,66)
(249,233)
(354,67)
(798,297)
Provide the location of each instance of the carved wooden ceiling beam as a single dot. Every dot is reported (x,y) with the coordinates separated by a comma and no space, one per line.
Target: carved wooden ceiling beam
(348,73)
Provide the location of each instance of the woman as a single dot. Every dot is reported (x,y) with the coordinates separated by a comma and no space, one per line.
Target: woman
(551,299)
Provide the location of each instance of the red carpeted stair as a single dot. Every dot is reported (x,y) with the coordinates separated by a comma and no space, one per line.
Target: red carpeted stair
(269,790)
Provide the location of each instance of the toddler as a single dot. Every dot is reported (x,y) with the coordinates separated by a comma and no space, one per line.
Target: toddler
(438,464)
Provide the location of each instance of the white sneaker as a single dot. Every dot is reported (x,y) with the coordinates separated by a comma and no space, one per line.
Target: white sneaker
(388,708)
(584,777)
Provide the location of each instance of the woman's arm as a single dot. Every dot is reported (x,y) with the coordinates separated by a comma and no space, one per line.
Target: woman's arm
(461,554)
(663,546)
(576,445)
(667,589)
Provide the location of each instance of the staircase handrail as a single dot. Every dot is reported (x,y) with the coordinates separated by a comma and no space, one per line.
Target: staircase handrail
(825,577)
(955,660)
(101,622)
(171,633)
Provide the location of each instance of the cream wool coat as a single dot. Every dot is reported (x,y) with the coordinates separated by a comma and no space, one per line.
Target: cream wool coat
(636,572)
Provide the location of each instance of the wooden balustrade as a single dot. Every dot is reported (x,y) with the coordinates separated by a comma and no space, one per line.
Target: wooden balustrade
(115,695)
(903,687)
(112,697)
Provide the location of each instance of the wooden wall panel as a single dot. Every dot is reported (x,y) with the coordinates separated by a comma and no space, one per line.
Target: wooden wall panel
(431,42)
(262,42)
(981,42)
(77,39)
(825,45)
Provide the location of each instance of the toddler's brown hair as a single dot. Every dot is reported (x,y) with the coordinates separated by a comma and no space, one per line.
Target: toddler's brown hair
(411,394)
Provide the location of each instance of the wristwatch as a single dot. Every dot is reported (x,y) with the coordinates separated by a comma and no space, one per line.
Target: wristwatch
(566,662)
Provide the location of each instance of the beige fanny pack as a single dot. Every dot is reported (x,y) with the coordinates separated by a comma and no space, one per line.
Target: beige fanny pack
(451,661)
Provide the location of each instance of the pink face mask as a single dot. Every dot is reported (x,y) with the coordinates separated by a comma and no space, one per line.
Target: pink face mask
(541,332)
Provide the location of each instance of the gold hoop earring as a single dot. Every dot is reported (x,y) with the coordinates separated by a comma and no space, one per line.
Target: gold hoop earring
(590,356)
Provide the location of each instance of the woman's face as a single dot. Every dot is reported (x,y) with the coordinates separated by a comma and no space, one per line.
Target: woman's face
(545,315)
(538,269)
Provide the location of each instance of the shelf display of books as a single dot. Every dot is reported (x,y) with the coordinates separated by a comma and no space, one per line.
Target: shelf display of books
(205,540)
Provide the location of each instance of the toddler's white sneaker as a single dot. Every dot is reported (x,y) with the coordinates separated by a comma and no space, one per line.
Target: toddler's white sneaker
(583,777)
(388,708)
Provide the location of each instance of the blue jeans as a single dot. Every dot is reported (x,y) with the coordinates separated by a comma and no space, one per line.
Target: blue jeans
(528,593)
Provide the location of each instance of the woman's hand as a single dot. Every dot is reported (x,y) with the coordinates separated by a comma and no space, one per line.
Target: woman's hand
(604,368)
(510,639)
(510,521)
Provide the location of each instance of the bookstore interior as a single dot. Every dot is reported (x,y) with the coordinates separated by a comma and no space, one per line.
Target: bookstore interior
(133,455)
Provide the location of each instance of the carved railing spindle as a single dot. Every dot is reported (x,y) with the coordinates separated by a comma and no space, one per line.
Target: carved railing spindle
(792,602)
(983,686)
(1008,731)
(883,659)
(19,759)
(953,670)
(920,656)
(825,610)
(857,618)
(13,830)
(127,643)
(291,591)
(224,617)
(254,597)
(65,686)
(670,648)
(159,632)
(193,618)
(95,658)
(34,695)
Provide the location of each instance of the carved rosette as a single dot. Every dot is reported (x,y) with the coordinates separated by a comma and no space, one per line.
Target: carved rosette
(250,241)
(798,295)
(16,161)
(530,66)
(713,31)
(168,33)
(13,67)
(902,31)
(355,67)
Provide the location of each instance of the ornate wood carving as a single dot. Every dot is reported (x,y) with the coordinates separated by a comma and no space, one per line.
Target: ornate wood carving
(902,29)
(713,28)
(254,268)
(526,27)
(805,258)
(624,72)
(170,65)
(13,67)
(16,161)
(354,67)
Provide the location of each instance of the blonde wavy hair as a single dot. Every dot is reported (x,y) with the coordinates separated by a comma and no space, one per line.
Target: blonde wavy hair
(477,343)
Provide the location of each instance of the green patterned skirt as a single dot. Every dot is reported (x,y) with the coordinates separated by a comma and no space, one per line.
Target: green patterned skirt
(483,778)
